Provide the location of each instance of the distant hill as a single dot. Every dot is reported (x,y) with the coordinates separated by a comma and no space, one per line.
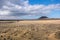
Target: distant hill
(43,17)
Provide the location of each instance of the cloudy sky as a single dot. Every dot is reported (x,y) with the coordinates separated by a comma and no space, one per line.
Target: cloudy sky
(29,9)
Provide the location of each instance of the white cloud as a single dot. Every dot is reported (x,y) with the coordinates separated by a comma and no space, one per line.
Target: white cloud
(4,12)
(24,8)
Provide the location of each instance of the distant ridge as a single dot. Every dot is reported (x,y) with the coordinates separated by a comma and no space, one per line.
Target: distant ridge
(29,19)
(50,19)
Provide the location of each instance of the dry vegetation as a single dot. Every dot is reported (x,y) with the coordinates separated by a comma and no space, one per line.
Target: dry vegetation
(30,30)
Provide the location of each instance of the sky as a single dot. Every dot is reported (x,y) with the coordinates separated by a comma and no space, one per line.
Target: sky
(29,9)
